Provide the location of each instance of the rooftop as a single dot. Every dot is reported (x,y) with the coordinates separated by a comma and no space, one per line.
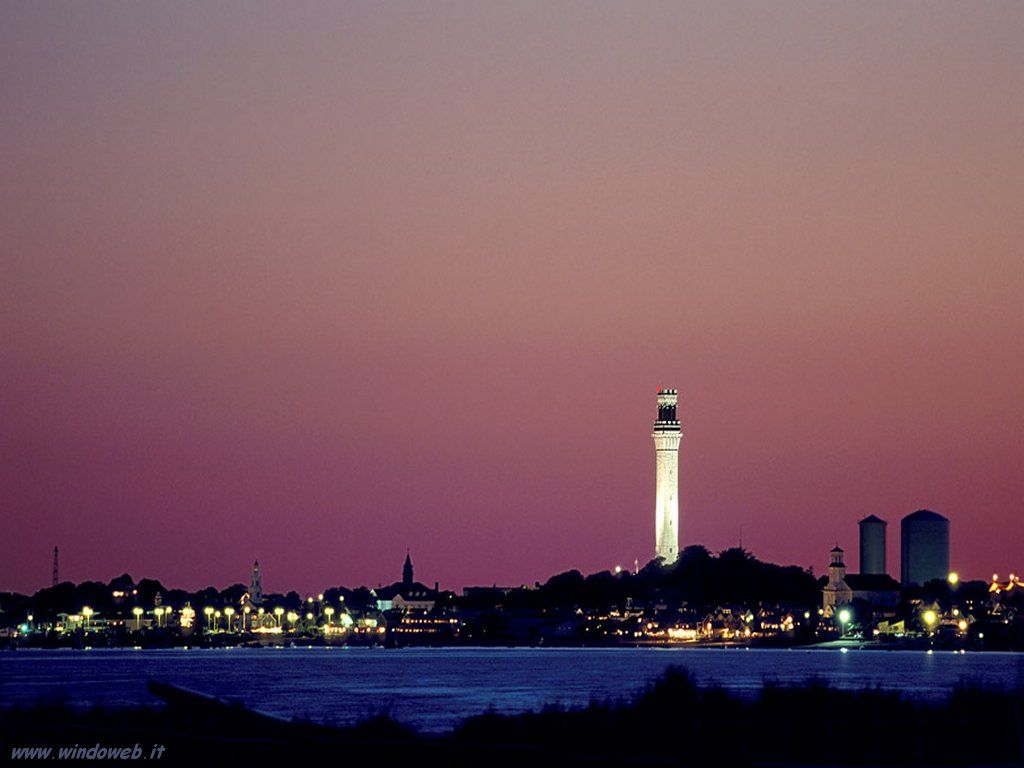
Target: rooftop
(924,514)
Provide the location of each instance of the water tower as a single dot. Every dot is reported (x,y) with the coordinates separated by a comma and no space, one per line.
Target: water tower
(872,545)
(924,547)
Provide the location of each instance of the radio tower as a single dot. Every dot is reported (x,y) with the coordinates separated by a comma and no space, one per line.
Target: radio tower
(56,569)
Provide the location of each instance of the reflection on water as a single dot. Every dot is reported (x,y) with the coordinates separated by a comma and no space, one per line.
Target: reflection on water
(432,689)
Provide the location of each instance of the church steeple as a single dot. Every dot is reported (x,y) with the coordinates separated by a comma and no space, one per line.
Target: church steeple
(407,571)
(256,585)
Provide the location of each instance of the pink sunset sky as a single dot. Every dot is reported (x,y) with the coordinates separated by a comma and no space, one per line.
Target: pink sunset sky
(317,282)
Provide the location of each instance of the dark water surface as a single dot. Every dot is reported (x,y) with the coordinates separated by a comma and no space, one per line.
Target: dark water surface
(432,689)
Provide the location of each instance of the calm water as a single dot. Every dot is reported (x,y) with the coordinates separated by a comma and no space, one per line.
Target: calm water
(433,688)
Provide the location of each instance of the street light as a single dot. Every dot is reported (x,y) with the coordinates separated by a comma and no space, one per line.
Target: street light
(844,618)
(138,617)
(329,611)
(229,612)
(87,612)
(929,618)
(278,612)
(209,615)
(953,578)
(159,612)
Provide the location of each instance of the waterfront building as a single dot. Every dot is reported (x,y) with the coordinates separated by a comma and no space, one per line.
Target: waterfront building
(667,434)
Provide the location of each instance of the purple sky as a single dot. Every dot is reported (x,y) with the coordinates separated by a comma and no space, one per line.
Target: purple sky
(316,282)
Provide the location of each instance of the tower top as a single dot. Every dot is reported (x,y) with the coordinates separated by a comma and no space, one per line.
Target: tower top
(407,570)
(667,401)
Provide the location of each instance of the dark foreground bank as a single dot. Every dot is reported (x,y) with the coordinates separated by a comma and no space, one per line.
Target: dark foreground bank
(672,723)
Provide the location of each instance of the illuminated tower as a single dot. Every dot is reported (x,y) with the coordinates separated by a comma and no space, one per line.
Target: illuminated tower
(666,451)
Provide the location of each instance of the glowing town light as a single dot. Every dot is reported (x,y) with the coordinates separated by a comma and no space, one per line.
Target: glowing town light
(188,616)
(279,612)
(618,569)
(962,625)
(953,578)
(844,617)
(138,617)
(320,597)
(929,618)
(229,612)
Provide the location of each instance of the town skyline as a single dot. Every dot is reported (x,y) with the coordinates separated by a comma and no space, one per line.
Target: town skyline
(319,284)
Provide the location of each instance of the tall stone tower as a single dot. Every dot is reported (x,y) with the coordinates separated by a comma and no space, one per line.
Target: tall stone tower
(666,452)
